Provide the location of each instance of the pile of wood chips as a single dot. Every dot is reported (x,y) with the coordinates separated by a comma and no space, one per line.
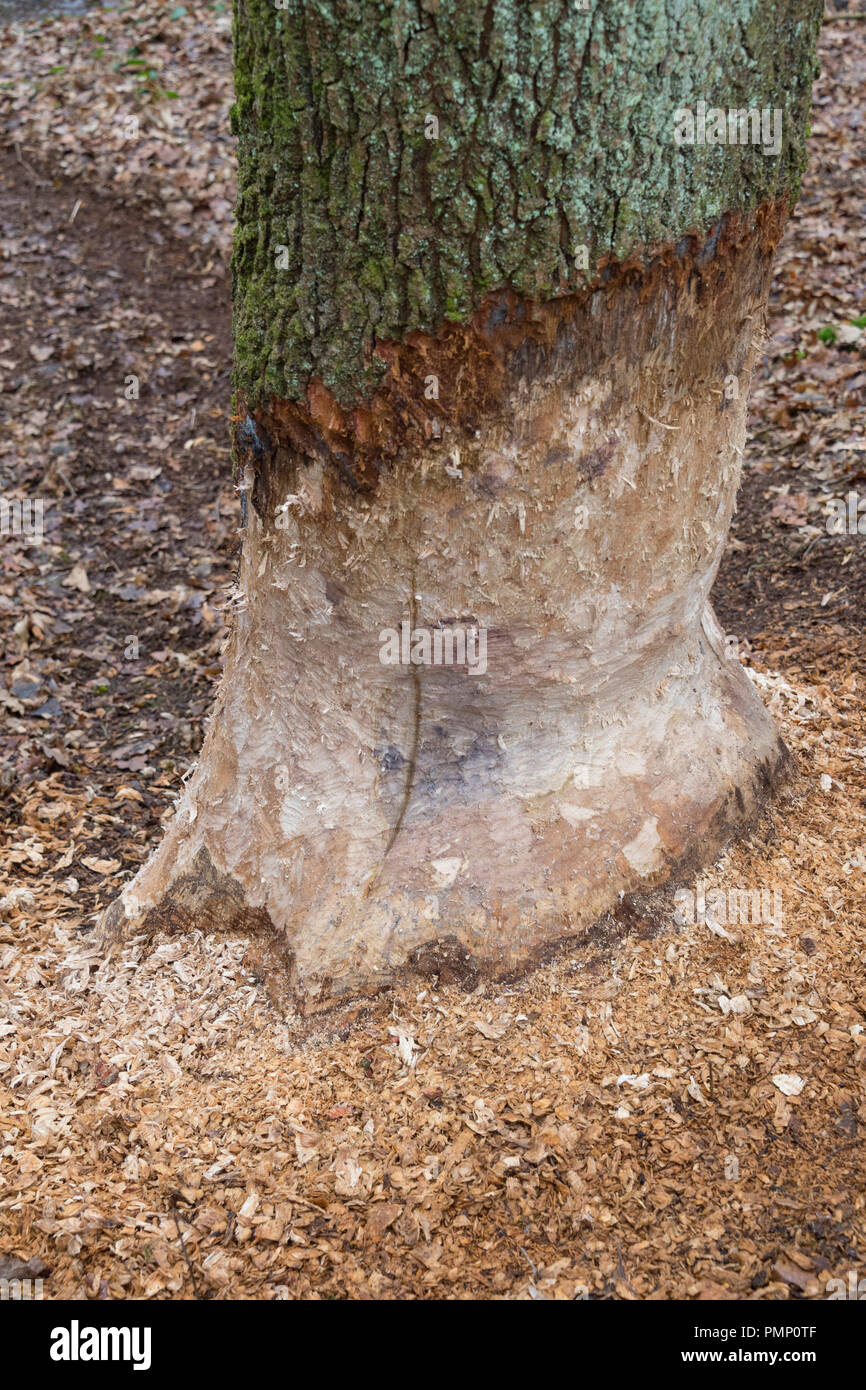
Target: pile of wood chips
(677,1116)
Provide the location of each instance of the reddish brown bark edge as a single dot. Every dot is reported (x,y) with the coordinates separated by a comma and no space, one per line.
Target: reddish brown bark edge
(473,363)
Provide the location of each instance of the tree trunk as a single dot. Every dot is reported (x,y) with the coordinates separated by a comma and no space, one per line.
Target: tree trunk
(495,319)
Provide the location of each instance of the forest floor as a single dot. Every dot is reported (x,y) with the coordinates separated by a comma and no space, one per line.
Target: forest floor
(679,1115)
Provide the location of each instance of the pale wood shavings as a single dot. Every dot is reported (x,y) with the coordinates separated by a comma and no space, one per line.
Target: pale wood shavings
(628,1122)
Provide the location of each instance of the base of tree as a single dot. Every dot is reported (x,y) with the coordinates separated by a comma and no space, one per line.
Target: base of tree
(366,806)
(489,888)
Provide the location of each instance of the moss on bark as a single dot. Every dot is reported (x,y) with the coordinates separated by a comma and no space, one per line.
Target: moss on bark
(401,158)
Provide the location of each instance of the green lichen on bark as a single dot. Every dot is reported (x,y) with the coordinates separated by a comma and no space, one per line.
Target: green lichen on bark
(555,132)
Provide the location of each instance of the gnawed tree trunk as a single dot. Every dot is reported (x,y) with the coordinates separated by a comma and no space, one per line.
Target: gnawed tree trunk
(494,333)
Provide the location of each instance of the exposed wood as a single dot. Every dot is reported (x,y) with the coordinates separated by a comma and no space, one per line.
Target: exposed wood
(366,812)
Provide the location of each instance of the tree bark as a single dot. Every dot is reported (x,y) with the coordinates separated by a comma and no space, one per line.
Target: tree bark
(495,324)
